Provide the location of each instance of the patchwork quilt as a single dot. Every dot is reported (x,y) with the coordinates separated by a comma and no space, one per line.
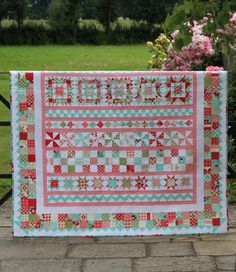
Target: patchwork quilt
(118,153)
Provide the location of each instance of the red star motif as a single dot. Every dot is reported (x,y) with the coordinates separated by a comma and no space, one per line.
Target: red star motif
(141,183)
(170,182)
(182,80)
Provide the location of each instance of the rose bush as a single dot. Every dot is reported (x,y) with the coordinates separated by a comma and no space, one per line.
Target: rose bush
(195,56)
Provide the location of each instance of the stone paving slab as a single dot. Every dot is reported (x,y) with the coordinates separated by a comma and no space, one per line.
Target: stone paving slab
(184,264)
(202,256)
(171,249)
(226,263)
(215,248)
(47,265)
(55,240)
(185,238)
(219,237)
(108,251)
(147,239)
(107,265)
(27,250)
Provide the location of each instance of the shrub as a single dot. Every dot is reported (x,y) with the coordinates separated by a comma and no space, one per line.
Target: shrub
(35,32)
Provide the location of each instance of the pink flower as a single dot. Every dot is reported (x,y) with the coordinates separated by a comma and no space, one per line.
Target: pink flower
(197,28)
(192,54)
(210,68)
(214,68)
(233,18)
(220,31)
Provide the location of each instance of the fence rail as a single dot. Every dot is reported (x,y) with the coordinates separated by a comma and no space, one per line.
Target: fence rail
(231,124)
(5,124)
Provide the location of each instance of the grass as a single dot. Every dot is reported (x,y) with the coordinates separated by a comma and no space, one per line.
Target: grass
(59,58)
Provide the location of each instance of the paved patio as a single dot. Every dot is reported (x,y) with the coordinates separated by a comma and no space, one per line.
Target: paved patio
(117,254)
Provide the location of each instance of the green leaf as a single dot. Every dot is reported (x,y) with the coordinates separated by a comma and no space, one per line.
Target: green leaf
(175,20)
(169,24)
(178,44)
(210,27)
(184,36)
(180,15)
(199,10)
(188,7)
(222,18)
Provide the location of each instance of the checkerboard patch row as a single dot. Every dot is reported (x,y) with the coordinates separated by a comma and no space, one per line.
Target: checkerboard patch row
(80,113)
(118,161)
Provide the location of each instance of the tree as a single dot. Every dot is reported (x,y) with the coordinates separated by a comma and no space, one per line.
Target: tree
(153,11)
(88,9)
(127,9)
(18,7)
(4,7)
(37,9)
(105,11)
(64,15)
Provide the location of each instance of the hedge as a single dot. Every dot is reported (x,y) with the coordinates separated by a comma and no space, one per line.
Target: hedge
(37,32)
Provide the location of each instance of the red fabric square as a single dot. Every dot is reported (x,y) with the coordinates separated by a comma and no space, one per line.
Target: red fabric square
(62,216)
(216,221)
(164,223)
(97,224)
(115,168)
(29,77)
(174,152)
(214,140)
(215,178)
(215,155)
(193,222)
(101,168)
(130,168)
(46,217)
(54,183)
(31,143)
(24,210)
(207,163)
(57,168)
(207,111)
(31,158)
(32,203)
(23,106)
(23,135)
